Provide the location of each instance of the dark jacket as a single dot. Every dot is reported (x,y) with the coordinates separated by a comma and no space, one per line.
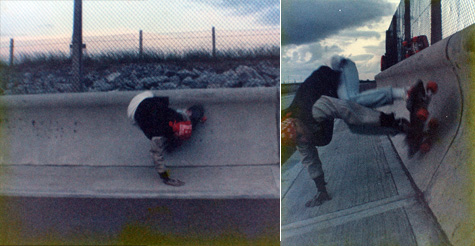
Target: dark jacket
(322,82)
(153,116)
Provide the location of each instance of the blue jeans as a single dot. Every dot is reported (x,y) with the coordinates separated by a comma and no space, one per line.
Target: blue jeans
(349,87)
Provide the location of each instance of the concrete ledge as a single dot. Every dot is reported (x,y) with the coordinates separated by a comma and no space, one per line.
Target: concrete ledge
(445,174)
(228,182)
(103,99)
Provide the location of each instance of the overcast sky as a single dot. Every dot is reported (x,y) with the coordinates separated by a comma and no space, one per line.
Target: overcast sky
(314,30)
(46,18)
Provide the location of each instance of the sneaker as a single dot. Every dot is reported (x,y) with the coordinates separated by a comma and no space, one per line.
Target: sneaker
(318,199)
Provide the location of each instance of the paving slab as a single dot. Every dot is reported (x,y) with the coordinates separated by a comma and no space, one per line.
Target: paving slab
(373,200)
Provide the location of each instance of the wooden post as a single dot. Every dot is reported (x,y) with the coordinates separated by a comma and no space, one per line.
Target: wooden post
(140,44)
(214,42)
(11,51)
(77,47)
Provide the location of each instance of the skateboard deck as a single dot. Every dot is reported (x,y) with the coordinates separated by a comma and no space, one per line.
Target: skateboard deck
(421,129)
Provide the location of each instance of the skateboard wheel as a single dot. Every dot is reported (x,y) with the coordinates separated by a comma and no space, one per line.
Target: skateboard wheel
(425,147)
(433,123)
(404,43)
(422,114)
(432,86)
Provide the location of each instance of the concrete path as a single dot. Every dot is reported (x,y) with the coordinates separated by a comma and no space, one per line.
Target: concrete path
(374,202)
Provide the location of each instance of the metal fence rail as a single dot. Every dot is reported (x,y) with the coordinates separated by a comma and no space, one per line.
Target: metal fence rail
(17,50)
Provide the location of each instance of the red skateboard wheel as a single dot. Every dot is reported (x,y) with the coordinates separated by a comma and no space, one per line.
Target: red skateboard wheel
(432,86)
(425,147)
(422,114)
(433,123)
(404,43)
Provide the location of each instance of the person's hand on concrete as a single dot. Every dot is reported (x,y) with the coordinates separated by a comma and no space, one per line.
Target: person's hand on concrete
(173,182)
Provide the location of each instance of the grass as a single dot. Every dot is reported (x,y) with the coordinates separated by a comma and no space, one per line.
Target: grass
(55,59)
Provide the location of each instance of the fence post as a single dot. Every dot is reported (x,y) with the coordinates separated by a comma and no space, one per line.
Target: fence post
(11,51)
(140,44)
(77,47)
(407,20)
(214,42)
(436,21)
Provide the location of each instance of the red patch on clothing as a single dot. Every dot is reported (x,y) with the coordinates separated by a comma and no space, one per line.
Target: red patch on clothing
(288,133)
(181,129)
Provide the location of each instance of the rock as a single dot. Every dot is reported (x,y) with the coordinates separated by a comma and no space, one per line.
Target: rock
(148,83)
(167,86)
(64,87)
(254,83)
(144,76)
(188,81)
(186,73)
(170,73)
(111,77)
(245,74)
(175,79)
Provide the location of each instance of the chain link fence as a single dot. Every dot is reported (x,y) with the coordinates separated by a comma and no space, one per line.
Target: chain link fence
(207,39)
(435,19)
(456,15)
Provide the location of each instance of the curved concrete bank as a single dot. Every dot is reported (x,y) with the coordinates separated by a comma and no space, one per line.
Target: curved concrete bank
(445,174)
(92,129)
(74,170)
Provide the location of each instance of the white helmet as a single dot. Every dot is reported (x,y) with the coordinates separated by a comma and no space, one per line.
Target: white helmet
(134,103)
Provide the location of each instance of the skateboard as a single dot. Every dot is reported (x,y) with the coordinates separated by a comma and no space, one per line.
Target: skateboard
(415,45)
(421,129)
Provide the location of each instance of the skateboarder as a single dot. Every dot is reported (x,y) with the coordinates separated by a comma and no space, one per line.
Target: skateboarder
(167,128)
(313,110)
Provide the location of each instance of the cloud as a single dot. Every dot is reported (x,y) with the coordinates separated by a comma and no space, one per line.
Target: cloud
(306,21)
(298,61)
(362,58)
(264,12)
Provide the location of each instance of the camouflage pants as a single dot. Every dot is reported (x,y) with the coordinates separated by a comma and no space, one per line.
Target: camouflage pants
(157,150)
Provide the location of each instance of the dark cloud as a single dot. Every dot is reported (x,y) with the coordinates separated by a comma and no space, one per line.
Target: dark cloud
(359,34)
(307,21)
(265,12)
